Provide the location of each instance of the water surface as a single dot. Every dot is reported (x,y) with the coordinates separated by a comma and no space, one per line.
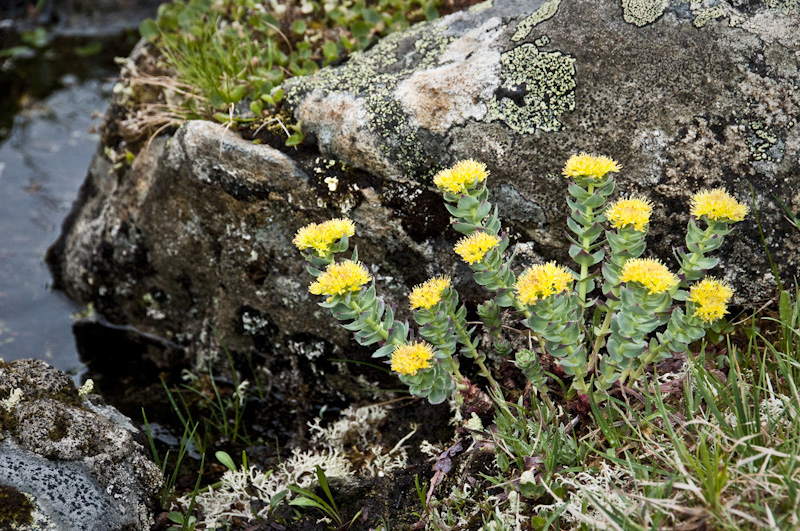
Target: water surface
(43,162)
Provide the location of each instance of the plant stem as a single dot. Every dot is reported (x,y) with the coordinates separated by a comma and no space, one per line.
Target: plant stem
(376,327)
(599,341)
(694,256)
(585,242)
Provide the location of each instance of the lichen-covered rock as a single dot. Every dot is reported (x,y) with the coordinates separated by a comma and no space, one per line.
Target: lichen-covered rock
(682,94)
(74,458)
(191,244)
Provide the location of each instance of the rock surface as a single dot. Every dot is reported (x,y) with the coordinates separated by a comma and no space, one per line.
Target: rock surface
(683,96)
(75,458)
(192,242)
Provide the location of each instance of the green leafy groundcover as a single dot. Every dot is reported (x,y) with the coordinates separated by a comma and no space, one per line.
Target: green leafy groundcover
(228,55)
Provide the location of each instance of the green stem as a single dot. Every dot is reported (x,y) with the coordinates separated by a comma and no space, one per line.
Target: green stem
(521,307)
(585,243)
(492,382)
(376,327)
(462,334)
(457,376)
(466,340)
(694,256)
(599,341)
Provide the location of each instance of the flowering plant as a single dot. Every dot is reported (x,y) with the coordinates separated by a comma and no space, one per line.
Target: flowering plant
(638,319)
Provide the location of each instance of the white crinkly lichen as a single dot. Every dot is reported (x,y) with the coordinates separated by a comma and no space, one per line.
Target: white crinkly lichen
(12,400)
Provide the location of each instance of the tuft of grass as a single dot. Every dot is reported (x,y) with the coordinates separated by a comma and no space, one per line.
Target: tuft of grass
(226,59)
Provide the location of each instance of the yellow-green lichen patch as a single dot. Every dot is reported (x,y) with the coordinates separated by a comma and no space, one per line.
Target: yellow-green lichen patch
(783,5)
(705,15)
(643,12)
(537,88)
(764,144)
(547,10)
(373,77)
(477,8)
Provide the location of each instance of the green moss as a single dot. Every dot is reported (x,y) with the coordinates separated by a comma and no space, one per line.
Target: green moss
(537,88)
(15,508)
(643,12)
(547,10)
(59,429)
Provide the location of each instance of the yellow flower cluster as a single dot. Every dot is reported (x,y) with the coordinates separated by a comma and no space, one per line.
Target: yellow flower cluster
(474,247)
(321,237)
(650,273)
(411,358)
(634,211)
(712,297)
(461,177)
(590,166)
(541,281)
(341,278)
(718,205)
(429,294)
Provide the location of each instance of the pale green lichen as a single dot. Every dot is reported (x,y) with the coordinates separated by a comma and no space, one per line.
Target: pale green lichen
(546,11)
(537,88)
(783,5)
(643,12)
(703,16)
(373,76)
(762,142)
(477,8)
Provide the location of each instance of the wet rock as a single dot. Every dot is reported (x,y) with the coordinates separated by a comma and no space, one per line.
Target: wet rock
(191,248)
(683,96)
(74,459)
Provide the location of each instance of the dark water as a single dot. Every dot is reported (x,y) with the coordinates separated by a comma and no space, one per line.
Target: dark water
(43,162)
(57,69)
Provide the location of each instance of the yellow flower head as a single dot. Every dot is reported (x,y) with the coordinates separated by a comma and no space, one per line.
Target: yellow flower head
(429,294)
(461,177)
(541,281)
(593,167)
(718,205)
(409,359)
(650,273)
(341,278)
(712,297)
(633,212)
(474,247)
(321,237)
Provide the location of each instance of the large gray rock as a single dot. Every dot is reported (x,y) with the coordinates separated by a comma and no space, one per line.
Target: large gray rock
(192,243)
(74,457)
(683,96)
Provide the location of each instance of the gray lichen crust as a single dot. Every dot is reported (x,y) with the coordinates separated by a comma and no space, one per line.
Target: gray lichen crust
(402,89)
(78,464)
(369,84)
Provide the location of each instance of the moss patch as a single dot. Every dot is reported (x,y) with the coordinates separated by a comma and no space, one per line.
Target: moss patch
(59,429)
(15,508)
(537,88)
